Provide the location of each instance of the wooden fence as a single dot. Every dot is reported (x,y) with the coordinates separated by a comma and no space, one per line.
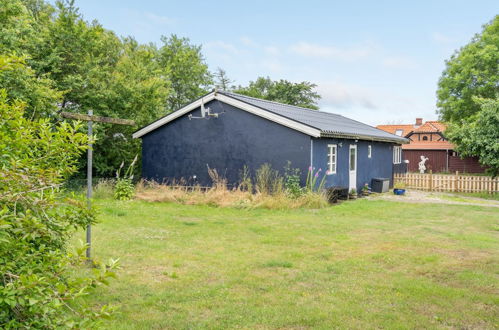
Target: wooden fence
(449,182)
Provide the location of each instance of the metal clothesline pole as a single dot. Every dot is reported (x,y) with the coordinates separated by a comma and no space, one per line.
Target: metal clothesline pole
(90,118)
(89,184)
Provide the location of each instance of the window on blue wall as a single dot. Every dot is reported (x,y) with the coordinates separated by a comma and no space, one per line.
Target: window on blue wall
(369,151)
(397,154)
(331,158)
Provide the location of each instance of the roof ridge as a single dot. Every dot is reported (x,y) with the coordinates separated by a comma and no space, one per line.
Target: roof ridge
(398,125)
(428,125)
(274,102)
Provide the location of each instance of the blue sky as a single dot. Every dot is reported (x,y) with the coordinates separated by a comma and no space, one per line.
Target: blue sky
(374,61)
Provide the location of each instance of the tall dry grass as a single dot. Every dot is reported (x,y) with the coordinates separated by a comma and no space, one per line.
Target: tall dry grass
(268,181)
(219,195)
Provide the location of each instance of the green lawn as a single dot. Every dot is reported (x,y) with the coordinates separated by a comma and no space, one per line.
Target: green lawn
(361,264)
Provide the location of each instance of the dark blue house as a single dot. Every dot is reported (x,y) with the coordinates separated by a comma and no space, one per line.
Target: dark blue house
(227,131)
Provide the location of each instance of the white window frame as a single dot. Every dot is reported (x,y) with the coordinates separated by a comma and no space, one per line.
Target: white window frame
(332,149)
(397,154)
(369,151)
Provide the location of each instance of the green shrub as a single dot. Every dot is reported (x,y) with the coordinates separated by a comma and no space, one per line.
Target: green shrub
(38,285)
(292,181)
(124,188)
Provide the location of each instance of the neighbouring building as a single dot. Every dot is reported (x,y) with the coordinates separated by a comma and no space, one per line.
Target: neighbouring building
(227,131)
(428,139)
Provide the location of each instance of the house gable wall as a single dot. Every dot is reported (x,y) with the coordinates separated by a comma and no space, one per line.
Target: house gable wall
(184,148)
(429,136)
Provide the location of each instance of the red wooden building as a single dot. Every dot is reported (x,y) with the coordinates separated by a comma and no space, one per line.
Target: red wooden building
(428,140)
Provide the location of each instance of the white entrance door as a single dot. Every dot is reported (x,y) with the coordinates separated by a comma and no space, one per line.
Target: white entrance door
(352,169)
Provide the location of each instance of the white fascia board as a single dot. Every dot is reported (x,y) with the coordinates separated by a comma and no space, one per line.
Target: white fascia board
(364,137)
(269,115)
(173,115)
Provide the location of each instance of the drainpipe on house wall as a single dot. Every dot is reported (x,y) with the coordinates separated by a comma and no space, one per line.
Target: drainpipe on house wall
(311,152)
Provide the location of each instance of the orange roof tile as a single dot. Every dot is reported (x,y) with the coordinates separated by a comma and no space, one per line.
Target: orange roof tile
(431,126)
(406,129)
(438,124)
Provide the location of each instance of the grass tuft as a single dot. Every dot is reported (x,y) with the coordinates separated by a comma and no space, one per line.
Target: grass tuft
(278,263)
(189,223)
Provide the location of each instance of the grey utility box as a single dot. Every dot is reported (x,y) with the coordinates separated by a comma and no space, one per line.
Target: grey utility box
(380,185)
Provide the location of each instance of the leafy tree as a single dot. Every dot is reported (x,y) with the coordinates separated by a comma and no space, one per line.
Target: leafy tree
(39,9)
(38,288)
(472,75)
(79,57)
(186,70)
(74,65)
(118,78)
(471,71)
(222,81)
(19,38)
(16,26)
(300,94)
(21,84)
(479,135)
(79,60)
(136,90)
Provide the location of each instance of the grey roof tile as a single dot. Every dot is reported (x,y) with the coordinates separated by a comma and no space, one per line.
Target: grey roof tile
(330,124)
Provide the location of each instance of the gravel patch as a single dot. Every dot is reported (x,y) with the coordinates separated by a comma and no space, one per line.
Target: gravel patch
(419,196)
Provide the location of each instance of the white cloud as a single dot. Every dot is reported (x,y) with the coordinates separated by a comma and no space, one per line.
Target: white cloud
(399,62)
(246,54)
(331,52)
(248,42)
(272,50)
(272,65)
(145,25)
(341,95)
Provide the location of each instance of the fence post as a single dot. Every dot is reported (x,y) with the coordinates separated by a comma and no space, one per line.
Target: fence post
(430,180)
